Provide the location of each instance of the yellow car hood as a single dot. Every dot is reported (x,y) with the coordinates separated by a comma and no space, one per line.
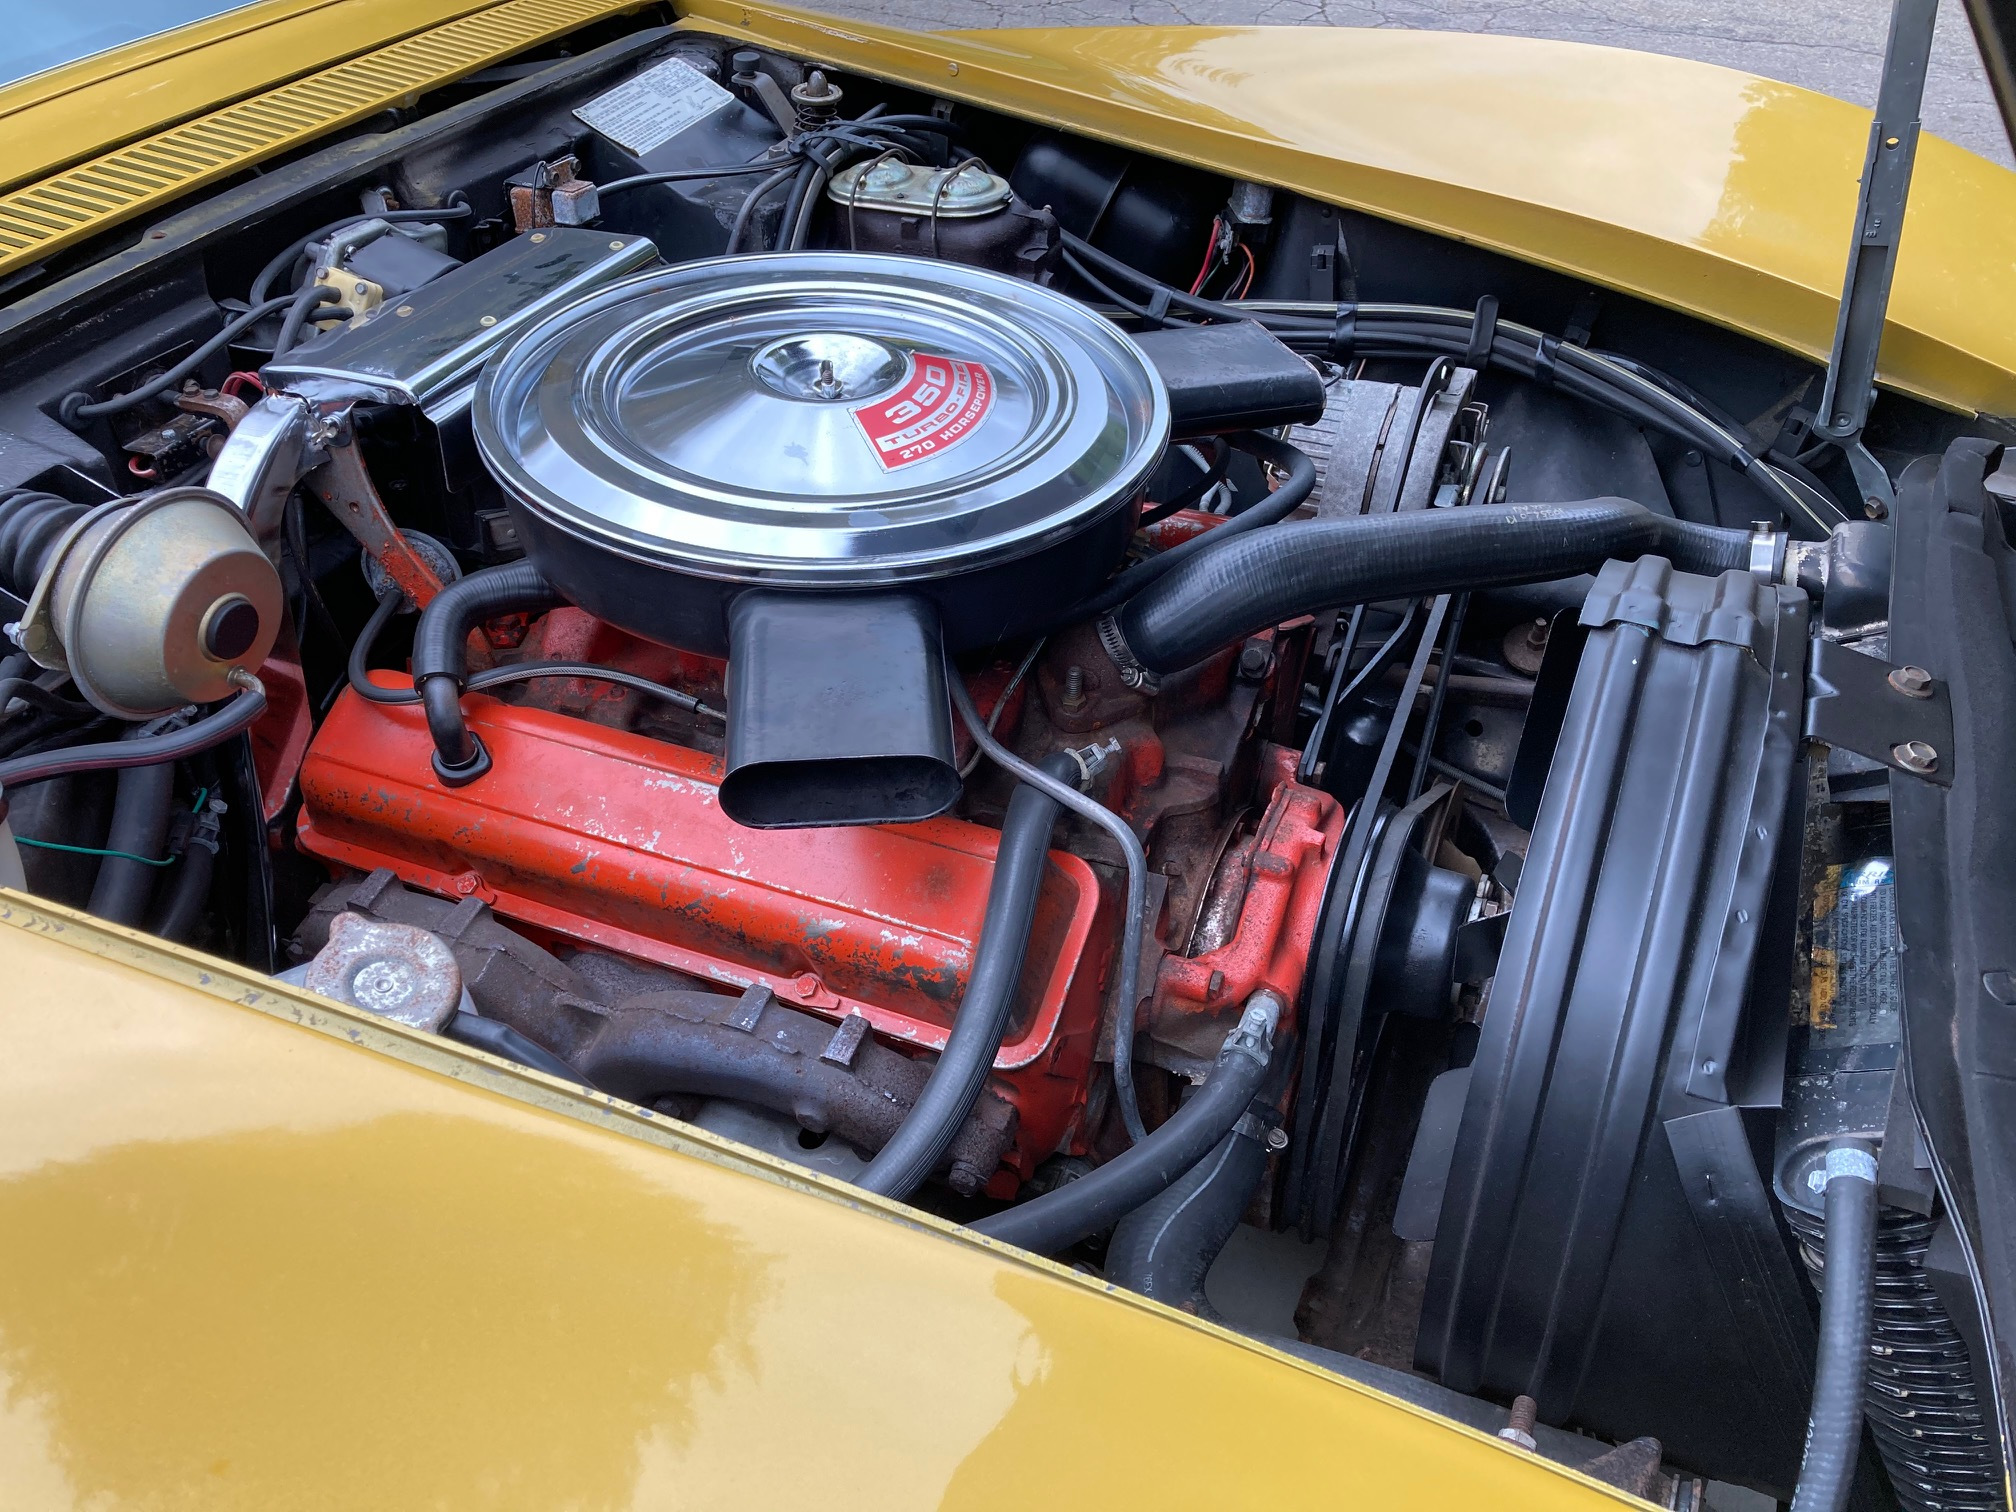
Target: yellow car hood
(263,1251)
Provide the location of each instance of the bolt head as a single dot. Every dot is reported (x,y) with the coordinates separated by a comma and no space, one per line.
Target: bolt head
(1912,682)
(1254,660)
(1816,1179)
(1277,1140)
(1915,756)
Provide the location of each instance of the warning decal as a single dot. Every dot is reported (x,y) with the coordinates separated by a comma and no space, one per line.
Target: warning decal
(941,402)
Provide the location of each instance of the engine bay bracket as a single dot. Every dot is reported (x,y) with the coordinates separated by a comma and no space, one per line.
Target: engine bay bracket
(1898,715)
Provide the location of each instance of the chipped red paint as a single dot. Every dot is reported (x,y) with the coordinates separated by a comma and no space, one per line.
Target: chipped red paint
(1287,866)
(613,839)
(280,734)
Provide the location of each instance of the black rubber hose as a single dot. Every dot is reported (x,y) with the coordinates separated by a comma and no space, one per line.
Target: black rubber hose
(31,523)
(213,729)
(1164,1248)
(1208,478)
(76,408)
(308,304)
(1110,1192)
(1847,1298)
(390,602)
(33,693)
(283,262)
(925,1136)
(1277,506)
(1245,584)
(1127,987)
(140,814)
(440,651)
(188,890)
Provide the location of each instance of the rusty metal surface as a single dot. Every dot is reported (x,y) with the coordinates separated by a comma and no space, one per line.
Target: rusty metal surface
(344,485)
(1263,907)
(651,1036)
(393,970)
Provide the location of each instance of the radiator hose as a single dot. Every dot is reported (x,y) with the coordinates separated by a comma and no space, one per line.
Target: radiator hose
(925,1136)
(1847,1299)
(1164,1248)
(1298,481)
(1232,588)
(140,813)
(441,658)
(1098,1200)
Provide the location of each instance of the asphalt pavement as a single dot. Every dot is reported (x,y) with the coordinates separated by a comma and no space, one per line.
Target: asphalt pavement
(1835,46)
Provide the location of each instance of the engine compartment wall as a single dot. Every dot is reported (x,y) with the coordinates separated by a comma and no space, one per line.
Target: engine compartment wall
(1703,189)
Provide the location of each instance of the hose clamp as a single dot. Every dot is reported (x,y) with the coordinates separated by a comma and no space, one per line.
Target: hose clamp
(1767,551)
(1092,759)
(1132,673)
(1254,1035)
(1843,1160)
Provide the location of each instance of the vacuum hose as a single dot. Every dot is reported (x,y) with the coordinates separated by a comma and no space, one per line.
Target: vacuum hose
(925,1136)
(440,655)
(1102,1198)
(1297,483)
(213,729)
(1847,1293)
(1234,587)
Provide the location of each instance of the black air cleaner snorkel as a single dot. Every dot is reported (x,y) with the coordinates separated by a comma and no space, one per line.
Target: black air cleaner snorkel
(837,712)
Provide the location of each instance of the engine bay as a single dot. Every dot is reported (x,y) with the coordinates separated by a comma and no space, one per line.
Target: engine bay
(1131,709)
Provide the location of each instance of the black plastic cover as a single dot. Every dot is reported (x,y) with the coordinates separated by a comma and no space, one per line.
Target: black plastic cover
(1607,1243)
(1953,612)
(837,711)
(1154,213)
(1231,377)
(398,263)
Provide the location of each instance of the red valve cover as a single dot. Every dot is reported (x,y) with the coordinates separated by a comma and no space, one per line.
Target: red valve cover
(615,840)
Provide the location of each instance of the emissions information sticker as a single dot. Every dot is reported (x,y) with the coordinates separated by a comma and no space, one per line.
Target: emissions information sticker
(939,404)
(651,109)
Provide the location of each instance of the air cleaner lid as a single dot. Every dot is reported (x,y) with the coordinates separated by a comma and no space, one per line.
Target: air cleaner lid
(823,418)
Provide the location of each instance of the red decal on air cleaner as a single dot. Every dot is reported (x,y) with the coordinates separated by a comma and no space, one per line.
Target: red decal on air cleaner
(941,402)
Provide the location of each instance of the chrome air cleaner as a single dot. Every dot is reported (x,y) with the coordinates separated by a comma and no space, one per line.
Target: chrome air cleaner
(802,457)
(832,421)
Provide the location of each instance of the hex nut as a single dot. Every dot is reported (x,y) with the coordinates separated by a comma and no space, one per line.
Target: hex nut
(1912,682)
(1915,756)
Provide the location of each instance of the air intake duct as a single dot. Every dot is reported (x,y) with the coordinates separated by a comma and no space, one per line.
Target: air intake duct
(837,711)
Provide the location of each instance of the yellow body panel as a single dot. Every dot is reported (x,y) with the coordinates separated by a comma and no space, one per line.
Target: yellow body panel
(262,1252)
(95,195)
(55,117)
(1701,188)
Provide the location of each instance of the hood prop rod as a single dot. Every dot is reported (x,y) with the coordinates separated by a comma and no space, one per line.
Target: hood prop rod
(1872,254)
